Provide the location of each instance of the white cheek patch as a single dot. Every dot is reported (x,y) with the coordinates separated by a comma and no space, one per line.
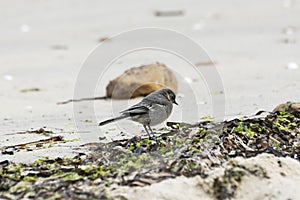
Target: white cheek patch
(168,97)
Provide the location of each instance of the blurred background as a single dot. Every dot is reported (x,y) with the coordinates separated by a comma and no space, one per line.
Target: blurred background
(254,44)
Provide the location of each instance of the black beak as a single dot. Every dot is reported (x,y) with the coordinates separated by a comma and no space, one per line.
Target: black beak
(175,102)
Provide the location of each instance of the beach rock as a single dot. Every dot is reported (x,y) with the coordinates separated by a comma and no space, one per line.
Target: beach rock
(141,81)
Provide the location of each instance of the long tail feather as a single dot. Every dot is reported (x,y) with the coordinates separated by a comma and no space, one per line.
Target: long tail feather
(112,120)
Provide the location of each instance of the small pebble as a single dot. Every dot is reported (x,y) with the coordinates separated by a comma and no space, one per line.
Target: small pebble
(102,138)
(198,26)
(4,163)
(289,30)
(28,107)
(8,152)
(8,77)
(264,144)
(24,28)
(292,65)
(169,13)
(188,79)
(39,145)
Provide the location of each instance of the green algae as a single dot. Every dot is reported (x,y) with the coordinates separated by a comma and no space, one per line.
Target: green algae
(242,128)
(225,186)
(184,151)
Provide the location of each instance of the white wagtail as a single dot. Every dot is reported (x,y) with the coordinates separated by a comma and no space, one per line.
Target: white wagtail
(152,110)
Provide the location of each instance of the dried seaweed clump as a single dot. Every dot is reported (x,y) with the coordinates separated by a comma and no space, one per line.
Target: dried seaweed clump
(186,149)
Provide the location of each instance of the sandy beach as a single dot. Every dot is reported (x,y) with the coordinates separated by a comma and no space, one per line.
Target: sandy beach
(254,46)
(44,44)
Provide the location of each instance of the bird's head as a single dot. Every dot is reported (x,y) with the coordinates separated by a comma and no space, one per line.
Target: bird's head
(169,94)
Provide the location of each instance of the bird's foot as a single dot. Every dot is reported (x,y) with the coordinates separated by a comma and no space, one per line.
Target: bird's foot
(152,137)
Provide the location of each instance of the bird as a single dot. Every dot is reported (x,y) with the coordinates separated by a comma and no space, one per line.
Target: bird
(153,109)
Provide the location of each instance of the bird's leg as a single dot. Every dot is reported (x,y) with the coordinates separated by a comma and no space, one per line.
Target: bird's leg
(145,127)
(150,129)
(153,135)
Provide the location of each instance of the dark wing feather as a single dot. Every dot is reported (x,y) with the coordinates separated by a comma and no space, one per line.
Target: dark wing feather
(136,110)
